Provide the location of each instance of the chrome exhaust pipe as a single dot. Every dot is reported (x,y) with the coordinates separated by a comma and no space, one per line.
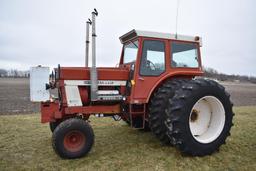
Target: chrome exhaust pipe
(88,23)
(93,69)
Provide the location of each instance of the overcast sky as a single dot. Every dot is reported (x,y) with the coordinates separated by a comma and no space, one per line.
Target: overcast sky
(51,32)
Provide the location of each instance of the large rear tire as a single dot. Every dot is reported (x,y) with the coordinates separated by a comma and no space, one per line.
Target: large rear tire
(199,117)
(72,138)
(158,105)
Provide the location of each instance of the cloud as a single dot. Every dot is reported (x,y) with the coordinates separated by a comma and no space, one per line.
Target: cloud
(52,32)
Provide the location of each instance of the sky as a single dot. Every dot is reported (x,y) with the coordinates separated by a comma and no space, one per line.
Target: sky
(52,32)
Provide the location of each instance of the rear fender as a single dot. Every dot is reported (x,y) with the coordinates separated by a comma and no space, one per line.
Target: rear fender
(161,81)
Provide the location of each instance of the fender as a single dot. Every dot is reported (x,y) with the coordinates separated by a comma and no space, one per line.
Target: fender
(173,75)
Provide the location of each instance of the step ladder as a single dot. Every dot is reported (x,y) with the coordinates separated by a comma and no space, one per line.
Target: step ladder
(137,113)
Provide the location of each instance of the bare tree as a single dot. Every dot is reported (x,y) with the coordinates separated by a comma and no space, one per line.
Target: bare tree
(3,73)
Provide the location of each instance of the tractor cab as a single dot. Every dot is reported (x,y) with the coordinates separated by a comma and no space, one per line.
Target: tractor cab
(154,57)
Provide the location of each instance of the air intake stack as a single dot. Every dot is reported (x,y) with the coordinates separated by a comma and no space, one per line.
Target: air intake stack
(88,23)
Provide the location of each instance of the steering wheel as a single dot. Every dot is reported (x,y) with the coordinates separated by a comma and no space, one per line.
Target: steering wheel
(151,65)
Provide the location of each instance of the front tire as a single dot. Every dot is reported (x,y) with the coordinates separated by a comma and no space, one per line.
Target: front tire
(199,117)
(53,125)
(73,138)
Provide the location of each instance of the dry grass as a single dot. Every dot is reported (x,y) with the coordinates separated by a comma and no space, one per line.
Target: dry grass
(25,144)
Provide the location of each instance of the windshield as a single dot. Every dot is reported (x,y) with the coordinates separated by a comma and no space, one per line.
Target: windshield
(130,51)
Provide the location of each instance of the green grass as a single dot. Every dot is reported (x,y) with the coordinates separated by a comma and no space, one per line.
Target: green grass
(25,144)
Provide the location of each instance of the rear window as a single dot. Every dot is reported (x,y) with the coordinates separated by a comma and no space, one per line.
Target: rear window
(184,55)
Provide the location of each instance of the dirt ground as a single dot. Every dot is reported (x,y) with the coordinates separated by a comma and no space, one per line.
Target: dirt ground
(14,95)
(242,94)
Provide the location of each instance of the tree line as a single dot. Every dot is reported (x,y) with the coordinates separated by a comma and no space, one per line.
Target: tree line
(14,73)
(212,73)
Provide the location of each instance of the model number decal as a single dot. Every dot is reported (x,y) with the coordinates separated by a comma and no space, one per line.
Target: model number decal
(100,82)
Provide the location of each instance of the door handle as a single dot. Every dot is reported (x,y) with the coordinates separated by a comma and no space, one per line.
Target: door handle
(140,78)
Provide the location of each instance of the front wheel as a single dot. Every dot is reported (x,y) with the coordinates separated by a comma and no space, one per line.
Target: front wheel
(199,117)
(72,138)
(53,125)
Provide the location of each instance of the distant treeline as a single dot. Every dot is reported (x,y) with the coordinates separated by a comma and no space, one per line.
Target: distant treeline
(209,72)
(14,73)
(212,73)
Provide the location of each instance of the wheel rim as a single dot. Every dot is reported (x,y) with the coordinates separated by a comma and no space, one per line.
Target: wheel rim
(207,119)
(74,141)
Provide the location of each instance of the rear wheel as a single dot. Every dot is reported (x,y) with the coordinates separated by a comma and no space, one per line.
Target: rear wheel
(207,119)
(73,138)
(199,117)
(158,105)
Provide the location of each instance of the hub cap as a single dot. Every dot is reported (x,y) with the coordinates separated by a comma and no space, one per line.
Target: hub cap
(74,141)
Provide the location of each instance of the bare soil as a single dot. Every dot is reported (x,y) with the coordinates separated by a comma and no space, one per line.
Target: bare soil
(14,95)
(242,94)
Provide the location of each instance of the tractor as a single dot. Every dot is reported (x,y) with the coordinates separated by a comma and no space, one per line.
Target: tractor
(157,86)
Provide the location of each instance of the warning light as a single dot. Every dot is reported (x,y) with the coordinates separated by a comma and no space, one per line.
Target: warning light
(132,82)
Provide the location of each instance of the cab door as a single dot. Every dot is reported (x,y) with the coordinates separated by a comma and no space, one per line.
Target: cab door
(150,67)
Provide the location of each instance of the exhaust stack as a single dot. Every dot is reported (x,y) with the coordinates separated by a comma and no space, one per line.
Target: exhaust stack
(88,23)
(93,69)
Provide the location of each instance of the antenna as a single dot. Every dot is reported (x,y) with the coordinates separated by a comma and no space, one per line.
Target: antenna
(177,14)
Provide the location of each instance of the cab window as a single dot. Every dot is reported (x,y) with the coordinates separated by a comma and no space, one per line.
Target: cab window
(130,51)
(184,55)
(153,58)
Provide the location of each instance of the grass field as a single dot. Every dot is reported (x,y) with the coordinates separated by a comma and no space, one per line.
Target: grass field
(25,144)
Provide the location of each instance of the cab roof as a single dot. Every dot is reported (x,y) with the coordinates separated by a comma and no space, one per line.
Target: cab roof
(139,33)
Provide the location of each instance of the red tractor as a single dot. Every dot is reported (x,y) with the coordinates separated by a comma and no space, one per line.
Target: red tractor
(156,86)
